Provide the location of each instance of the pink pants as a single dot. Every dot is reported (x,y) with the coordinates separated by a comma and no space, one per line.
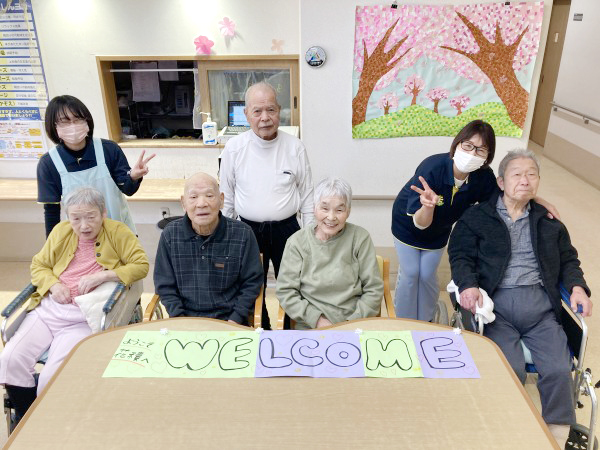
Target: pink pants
(49,326)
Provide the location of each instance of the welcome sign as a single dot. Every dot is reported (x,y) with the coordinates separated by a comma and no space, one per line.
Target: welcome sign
(315,353)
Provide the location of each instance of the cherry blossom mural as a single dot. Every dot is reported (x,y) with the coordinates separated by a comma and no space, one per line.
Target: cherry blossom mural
(446,65)
(436,95)
(387,101)
(413,86)
(459,103)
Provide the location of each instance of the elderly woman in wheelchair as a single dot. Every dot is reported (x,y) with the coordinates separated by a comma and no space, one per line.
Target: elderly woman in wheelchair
(80,255)
(329,271)
(508,247)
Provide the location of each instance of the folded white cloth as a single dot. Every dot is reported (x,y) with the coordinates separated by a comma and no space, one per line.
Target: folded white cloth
(91,304)
(485,311)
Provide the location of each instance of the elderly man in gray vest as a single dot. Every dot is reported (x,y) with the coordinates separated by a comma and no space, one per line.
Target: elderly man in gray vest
(511,249)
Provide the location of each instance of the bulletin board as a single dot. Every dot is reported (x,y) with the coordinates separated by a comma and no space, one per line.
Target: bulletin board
(23,91)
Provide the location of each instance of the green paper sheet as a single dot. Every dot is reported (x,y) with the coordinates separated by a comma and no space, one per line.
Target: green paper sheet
(389,354)
(185,354)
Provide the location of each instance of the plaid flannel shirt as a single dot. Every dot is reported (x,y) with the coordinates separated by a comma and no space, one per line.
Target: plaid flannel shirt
(217,276)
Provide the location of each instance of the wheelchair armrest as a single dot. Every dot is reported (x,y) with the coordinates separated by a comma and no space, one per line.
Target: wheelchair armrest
(19,300)
(114,297)
(566,297)
(574,326)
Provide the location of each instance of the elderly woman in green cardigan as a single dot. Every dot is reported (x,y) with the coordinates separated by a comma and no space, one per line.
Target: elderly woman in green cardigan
(329,270)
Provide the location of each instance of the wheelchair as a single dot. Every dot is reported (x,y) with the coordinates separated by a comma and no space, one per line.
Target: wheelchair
(577,334)
(123,307)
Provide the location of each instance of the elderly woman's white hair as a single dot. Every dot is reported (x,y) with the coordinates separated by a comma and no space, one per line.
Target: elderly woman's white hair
(84,196)
(516,154)
(333,187)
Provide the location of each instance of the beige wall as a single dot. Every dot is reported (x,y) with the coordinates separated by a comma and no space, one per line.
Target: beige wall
(570,141)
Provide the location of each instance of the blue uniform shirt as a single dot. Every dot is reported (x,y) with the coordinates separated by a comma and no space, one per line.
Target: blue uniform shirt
(50,186)
(437,171)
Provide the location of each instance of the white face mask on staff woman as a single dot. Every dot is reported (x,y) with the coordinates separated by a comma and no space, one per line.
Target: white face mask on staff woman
(465,161)
(73,133)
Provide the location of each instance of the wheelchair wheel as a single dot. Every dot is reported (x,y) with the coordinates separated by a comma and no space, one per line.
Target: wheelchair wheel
(440,313)
(456,321)
(138,314)
(579,439)
(11,421)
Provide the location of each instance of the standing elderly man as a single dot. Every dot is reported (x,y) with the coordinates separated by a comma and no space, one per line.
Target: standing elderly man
(266,179)
(207,265)
(510,248)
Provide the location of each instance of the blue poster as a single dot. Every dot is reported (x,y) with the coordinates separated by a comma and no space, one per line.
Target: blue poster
(23,90)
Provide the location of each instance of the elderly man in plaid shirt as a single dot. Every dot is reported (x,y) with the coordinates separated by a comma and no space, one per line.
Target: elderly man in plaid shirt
(207,265)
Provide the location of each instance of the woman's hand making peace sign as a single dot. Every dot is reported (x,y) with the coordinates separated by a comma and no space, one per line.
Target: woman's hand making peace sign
(141,166)
(427,196)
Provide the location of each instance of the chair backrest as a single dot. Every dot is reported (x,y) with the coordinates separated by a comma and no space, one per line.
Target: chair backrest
(384,270)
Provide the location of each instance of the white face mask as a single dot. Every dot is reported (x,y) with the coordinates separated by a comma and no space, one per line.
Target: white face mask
(73,133)
(467,163)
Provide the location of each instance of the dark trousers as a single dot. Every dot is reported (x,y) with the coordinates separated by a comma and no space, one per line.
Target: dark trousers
(525,313)
(271,237)
(21,399)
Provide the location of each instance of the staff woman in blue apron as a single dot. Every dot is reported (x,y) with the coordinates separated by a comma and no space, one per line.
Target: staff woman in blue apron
(79,159)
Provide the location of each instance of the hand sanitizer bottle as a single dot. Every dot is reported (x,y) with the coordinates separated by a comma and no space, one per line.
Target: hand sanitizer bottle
(209,131)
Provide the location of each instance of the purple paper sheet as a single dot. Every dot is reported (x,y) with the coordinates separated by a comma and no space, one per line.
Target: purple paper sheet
(444,354)
(318,354)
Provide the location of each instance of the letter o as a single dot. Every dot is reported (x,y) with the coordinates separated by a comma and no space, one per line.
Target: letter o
(342,354)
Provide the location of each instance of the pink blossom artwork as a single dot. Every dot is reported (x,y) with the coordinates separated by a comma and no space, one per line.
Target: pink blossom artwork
(203,45)
(436,95)
(387,101)
(277,45)
(459,103)
(414,84)
(482,52)
(227,27)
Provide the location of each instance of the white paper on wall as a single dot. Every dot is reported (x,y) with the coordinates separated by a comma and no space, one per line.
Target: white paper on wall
(145,84)
(168,76)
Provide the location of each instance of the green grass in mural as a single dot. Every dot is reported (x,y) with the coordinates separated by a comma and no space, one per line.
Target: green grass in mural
(417,120)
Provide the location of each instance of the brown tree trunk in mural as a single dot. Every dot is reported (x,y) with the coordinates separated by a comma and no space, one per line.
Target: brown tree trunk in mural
(386,110)
(495,59)
(415,92)
(374,67)
(435,106)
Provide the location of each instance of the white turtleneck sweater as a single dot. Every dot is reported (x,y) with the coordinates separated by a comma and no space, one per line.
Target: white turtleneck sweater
(266,180)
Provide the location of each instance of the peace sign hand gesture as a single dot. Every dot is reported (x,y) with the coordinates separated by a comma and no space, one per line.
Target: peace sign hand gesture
(428,198)
(141,166)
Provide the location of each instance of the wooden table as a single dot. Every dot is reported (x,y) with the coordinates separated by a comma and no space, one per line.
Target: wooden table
(80,409)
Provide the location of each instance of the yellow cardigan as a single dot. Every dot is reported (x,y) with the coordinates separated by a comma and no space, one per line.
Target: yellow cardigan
(117,249)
